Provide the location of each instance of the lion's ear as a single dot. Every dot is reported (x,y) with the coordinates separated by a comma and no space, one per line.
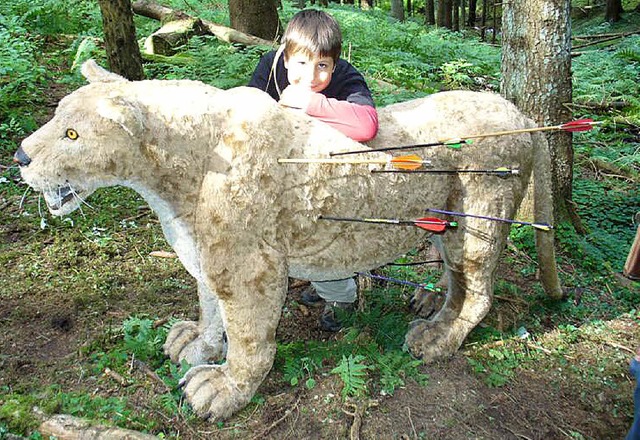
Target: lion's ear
(124,113)
(94,73)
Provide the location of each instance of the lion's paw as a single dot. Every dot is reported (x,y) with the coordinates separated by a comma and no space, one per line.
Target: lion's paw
(425,303)
(184,342)
(433,340)
(212,392)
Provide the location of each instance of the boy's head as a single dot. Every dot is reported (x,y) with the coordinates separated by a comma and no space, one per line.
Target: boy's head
(314,33)
(312,45)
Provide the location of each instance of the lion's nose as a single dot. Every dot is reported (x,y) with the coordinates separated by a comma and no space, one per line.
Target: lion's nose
(21,158)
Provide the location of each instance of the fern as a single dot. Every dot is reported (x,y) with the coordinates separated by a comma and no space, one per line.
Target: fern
(353,373)
(395,367)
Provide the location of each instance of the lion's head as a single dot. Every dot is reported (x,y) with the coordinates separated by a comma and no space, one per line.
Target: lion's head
(85,146)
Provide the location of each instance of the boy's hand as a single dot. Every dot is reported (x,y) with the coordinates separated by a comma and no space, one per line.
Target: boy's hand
(296,96)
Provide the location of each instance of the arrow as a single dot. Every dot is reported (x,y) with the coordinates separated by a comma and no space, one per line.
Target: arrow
(426,286)
(430,224)
(453,144)
(573,126)
(408,162)
(500,172)
(541,226)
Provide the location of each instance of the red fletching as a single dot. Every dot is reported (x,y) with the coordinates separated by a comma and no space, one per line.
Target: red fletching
(432,224)
(578,125)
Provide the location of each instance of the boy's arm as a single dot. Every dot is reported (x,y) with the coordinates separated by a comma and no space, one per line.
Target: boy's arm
(359,122)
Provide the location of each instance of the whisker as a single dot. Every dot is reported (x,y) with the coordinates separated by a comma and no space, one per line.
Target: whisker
(24,197)
(82,202)
(40,207)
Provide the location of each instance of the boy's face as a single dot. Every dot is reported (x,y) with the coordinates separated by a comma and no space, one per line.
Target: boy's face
(313,72)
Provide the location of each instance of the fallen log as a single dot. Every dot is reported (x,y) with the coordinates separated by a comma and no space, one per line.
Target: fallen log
(164,14)
(172,36)
(66,427)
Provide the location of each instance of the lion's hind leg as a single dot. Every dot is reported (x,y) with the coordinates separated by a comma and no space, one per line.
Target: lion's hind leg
(201,342)
(470,266)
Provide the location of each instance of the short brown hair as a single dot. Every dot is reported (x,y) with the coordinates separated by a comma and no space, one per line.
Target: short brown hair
(313,32)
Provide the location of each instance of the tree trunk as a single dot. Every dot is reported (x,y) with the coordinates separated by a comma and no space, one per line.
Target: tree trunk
(409,8)
(120,41)
(536,76)
(430,12)
(455,25)
(397,9)
(448,18)
(440,13)
(613,11)
(255,18)
(472,12)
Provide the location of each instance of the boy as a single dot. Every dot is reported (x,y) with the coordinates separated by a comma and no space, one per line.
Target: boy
(307,73)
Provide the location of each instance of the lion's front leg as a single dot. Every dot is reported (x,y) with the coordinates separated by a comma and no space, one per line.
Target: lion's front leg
(201,342)
(251,300)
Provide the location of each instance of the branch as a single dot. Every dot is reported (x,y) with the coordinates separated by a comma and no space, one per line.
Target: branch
(223,33)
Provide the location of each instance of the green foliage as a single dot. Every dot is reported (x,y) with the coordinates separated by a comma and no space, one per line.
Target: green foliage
(498,365)
(16,414)
(620,82)
(395,367)
(20,79)
(401,61)
(142,339)
(353,372)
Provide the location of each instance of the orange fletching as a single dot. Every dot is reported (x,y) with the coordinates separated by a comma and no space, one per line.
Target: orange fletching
(408,162)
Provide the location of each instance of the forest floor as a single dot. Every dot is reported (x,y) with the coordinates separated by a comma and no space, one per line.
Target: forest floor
(47,327)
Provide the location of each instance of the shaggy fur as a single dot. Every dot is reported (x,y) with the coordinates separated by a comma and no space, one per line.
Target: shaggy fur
(206,161)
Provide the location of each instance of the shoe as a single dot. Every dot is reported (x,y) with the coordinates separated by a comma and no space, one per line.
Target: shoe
(309,297)
(329,321)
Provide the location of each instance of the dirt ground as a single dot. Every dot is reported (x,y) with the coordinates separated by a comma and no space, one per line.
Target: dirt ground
(44,331)
(43,335)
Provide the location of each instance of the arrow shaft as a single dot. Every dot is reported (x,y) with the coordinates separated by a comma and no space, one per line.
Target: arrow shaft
(431,171)
(375,150)
(388,221)
(498,219)
(580,125)
(406,162)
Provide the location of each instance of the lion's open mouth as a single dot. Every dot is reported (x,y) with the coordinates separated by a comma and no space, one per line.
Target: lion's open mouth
(57,198)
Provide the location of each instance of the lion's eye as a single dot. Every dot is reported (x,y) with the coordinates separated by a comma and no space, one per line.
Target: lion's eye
(71,134)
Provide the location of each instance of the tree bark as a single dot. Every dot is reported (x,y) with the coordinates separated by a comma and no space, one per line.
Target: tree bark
(455,24)
(123,53)
(440,13)
(397,9)
(472,12)
(613,11)
(448,17)
(536,76)
(223,33)
(430,12)
(259,18)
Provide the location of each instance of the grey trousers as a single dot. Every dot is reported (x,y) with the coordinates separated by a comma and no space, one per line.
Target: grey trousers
(337,290)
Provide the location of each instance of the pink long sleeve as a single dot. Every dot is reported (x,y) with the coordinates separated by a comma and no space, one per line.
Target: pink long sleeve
(359,122)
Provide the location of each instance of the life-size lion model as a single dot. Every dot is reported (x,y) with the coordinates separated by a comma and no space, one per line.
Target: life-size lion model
(206,161)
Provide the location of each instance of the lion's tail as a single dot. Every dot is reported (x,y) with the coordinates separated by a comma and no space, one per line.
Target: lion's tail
(543,213)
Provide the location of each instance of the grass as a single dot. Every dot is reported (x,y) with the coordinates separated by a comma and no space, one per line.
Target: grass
(106,250)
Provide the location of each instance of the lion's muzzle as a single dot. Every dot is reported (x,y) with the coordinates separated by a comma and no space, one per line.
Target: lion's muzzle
(21,158)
